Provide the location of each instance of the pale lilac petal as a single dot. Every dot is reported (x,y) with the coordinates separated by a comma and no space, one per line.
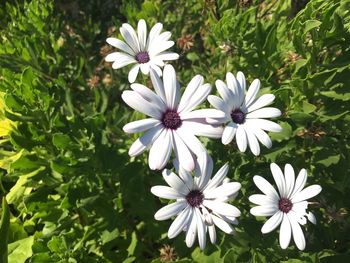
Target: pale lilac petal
(165,55)
(289,178)
(311,217)
(241,138)
(175,182)
(149,95)
(191,232)
(158,47)
(234,86)
(264,210)
(224,226)
(142,33)
(218,178)
(190,91)
(222,208)
(137,102)
(120,45)
(145,68)
(267,112)
(218,103)
(298,234)
(272,223)
(166,192)
(253,142)
(202,114)
(212,234)
(224,190)
(130,37)
(264,125)
(225,93)
(182,152)
(252,92)
(229,133)
(265,186)
(157,69)
(180,222)
(170,87)
(202,129)
(204,169)
(261,102)
(190,140)
(141,125)
(160,151)
(279,179)
(141,144)
(120,59)
(299,182)
(285,232)
(183,174)
(261,136)
(260,199)
(157,84)
(200,229)
(153,34)
(170,210)
(307,193)
(133,73)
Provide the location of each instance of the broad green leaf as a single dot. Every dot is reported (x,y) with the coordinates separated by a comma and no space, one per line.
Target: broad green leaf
(21,250)
(4,230)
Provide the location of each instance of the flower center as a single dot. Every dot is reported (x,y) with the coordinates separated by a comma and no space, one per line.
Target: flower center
(195,198)
(142,57)
(237,116)
(285,205)
(171,120)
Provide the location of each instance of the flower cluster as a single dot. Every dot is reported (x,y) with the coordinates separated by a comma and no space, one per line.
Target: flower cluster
(201,203)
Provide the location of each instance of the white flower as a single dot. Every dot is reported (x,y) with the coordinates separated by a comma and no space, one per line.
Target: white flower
(287,208)
(146,52)
(244,113)
(200,202)
(173,123)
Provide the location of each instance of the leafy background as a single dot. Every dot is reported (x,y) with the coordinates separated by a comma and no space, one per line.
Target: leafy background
(74,195)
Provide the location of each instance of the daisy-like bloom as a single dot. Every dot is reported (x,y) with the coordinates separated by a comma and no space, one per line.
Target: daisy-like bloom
(245,114)
(200,202)
(145,52)
(287,208)
(173,122)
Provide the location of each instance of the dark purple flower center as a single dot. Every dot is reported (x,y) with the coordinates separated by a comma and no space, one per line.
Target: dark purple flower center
(285,205)
(195,198)
(237,116)
(142,57)
(171,120)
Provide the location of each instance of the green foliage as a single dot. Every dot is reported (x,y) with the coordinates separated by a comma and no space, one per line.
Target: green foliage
(75,195)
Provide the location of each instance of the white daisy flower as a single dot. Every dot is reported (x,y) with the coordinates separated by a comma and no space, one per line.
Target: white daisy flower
(173,122)
(287,208)
(200,202)
(245,114)
(145,52)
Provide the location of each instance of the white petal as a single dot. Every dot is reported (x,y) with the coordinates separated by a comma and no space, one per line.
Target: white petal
(227,189)
(285,232)
(200,230)
(142,33)
(241,80)
(311,217)
(298,234)
(157,84)
(200,128)
(212,234)
(241,138)
(265,125)
(204,168)
(265,187)
(170,87)
(307,193)
(130,37)
(191,231)
(190,91)
(149,95)
(217,103)
(183,174)
(261,102)
(121,45)
(260,199)
(190,140)
(137,102)
(272,223)
(169,211)
(289,178)
(229,133)
(224,226)
(141,144)
(141,125)
(264,210)
(252,92)
(133,73)
(222,208)
(206,215)
(160,151)
(120,59)
(279,179)
(158,47)
(267,112)
(180,222)
(182,152)
(156,69)
(261,135)
(253,142)
(175,182)
(165,36)
(234,86)
(165,55)
(145,68)
(218,178)
(225,93)
(299,182)
(202,114)
(166,192)
(153,34)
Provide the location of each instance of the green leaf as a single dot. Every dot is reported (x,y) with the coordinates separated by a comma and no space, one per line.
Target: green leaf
(21,250)
(285,134)
(311,24)
(4,230)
